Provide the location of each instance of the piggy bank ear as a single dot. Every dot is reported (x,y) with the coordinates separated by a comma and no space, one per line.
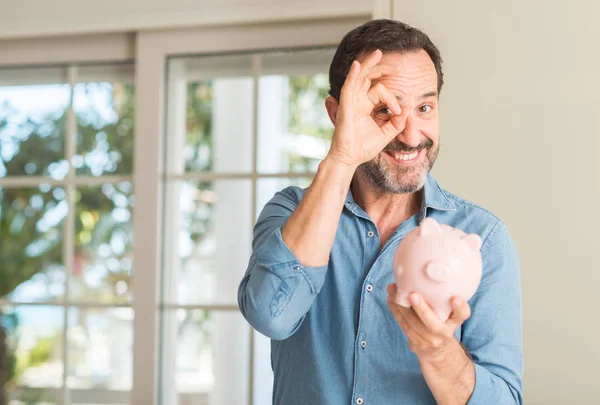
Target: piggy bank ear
(430,226)
(473,241)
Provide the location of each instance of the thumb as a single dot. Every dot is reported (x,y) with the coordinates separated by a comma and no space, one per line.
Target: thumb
(394,126)
(391,289)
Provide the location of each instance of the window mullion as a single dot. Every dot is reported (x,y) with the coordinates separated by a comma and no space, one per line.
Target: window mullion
(256,71)
(69,225)
(147,222)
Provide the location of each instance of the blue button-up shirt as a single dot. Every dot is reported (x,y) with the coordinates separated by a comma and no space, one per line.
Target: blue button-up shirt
(334,339)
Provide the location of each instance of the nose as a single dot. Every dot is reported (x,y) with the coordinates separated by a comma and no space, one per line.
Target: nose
(438,272)
(411,135)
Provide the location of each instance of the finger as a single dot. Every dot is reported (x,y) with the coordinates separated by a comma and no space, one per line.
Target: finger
(370,74)
(399,314)
(391,290)
(393,127)
(380,70)
(409,316)
(353,76)
(379,94)
(356,67)
(351,79)
(373,59)
(461,311)
(412,325)
(426,314)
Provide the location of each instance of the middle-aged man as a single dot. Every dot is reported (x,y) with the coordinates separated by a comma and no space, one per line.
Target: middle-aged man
(319,282)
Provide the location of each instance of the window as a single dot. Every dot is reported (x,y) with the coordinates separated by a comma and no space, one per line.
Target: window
(66,200)
(97,224)
(240,127)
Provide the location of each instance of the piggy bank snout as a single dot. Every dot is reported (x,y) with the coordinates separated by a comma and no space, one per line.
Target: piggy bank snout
(437,271)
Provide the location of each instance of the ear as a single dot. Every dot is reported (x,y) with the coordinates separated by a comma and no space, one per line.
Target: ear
(473,241)
(430,226)
(331,104)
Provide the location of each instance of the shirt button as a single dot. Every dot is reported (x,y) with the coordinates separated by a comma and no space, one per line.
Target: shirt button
(369,287)
(363,344)
(370,234)
(359,401)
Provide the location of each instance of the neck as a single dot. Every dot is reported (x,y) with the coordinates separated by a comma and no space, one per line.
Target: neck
(383,205)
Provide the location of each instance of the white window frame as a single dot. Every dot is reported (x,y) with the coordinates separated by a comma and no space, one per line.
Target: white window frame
(99,48)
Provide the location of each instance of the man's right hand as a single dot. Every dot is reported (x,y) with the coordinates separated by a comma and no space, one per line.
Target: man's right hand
(362,130)
(358,137)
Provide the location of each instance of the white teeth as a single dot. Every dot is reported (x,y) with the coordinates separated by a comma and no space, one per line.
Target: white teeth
(400,156)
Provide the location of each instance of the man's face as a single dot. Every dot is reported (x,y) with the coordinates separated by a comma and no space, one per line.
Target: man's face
(403,165)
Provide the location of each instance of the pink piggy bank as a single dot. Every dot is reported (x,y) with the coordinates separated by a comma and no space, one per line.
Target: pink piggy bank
(438,262)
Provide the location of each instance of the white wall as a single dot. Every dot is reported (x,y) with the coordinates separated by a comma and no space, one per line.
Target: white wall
(521,136)
(28,18)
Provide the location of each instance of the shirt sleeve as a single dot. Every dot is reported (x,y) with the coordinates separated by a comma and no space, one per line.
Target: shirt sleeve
(277,290)
(493,333)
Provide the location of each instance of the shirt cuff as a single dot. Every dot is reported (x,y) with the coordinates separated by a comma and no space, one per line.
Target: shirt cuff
(489,389)
(482,387)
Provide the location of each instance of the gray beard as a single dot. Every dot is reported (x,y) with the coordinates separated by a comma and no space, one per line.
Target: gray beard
(395,179)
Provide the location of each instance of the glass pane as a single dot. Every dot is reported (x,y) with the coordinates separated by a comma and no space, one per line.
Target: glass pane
(35,396)
(103,244)
(105,118)
(207,240)
(204,357)
(34,353)
(33,123)
(210,114)
(266,188)
(31,236)
(294,129)
(100,353)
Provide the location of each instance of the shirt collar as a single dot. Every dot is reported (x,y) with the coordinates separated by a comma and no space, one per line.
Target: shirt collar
(435,198)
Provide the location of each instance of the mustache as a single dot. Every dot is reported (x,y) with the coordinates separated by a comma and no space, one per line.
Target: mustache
(398,146)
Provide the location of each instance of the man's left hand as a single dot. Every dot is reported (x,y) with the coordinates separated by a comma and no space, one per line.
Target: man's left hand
(428,337)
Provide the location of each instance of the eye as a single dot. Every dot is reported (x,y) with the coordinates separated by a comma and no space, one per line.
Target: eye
(425,108)
(382,113)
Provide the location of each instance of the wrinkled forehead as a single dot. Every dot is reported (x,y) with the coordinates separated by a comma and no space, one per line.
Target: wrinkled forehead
(416,73)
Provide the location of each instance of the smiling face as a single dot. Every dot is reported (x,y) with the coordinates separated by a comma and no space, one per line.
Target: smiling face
(403,165)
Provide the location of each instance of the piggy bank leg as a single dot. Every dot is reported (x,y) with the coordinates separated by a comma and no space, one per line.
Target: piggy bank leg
(402,297)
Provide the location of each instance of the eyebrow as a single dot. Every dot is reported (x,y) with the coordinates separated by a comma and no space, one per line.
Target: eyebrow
(432,93)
